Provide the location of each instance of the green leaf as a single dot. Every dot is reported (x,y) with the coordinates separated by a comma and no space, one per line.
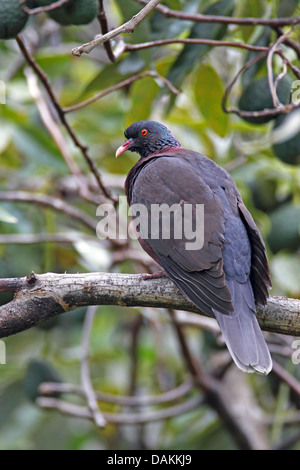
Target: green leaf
(142,33)
(287,8)
(209,90)
(107,77)
(286,272)
(257,9)
(191,53)
(142,94)
(40,150)
(112,74)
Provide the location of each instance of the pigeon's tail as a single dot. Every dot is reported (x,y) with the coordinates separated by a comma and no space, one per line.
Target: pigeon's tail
(241,331)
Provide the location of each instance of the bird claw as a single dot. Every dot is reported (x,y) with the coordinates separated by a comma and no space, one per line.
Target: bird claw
(158,275)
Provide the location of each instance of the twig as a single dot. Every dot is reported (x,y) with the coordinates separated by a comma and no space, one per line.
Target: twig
(85,370)
(276,82)
(271,53)
(289,42)
(286,377)
(33,238)
(127,27)
(124,418)
(245,67)
(176,393)
(273,22)
(55,132)
(135,329)
(214,391)
(104,29)
(61,206)
(52,202)
(293,67)
(266,112)
(44,9)
(209,42)
(122,84)
(193,367)
(84,150)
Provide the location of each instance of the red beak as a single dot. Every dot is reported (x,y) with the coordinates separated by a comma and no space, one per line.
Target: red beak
(123,147)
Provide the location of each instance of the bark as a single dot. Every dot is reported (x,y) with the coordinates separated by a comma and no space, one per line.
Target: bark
(40,297)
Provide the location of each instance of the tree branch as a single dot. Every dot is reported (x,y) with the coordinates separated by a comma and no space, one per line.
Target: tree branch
(127,27)
(195,41)
(176,393)
(51,202)
(47,85)
(123,83)
(104,28)
(266,112)
(182,15)
(40,297)
(121,418)
(85,369)
(44,9)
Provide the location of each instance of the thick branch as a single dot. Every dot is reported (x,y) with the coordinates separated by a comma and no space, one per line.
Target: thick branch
(40,297)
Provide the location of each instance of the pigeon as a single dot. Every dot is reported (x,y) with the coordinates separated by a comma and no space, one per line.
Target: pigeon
(225,272)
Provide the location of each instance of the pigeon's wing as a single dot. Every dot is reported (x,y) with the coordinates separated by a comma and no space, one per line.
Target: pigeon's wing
(259,274)
(178,185)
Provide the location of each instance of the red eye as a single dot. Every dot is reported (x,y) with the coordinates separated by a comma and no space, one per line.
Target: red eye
(144,132)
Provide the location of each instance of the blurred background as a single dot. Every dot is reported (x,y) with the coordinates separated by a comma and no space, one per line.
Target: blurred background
(135,351)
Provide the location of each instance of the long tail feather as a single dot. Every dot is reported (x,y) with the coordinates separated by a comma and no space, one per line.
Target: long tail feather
(242,333)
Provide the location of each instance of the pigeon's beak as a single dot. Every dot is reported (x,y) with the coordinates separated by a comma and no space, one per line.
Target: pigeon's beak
(124,147)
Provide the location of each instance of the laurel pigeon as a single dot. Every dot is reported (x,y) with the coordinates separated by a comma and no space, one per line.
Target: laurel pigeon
(228,275)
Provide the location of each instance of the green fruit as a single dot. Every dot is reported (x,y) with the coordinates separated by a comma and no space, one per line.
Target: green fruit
(74,12)
(257,97)
(289,150)
(38,372)
(285,228)
(264,194)
(12,19)
(287,8)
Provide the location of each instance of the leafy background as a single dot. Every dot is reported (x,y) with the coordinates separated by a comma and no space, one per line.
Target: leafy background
(122,361)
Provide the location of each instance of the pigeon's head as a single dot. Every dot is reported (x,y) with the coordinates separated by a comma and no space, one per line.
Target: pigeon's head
(147,137)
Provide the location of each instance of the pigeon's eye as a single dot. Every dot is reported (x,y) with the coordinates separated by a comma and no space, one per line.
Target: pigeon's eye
(144,132)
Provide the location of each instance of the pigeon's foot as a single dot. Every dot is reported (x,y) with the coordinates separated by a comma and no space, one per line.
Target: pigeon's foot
(158,275)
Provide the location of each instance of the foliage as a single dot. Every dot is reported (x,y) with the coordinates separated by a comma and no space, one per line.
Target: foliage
(135,351)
